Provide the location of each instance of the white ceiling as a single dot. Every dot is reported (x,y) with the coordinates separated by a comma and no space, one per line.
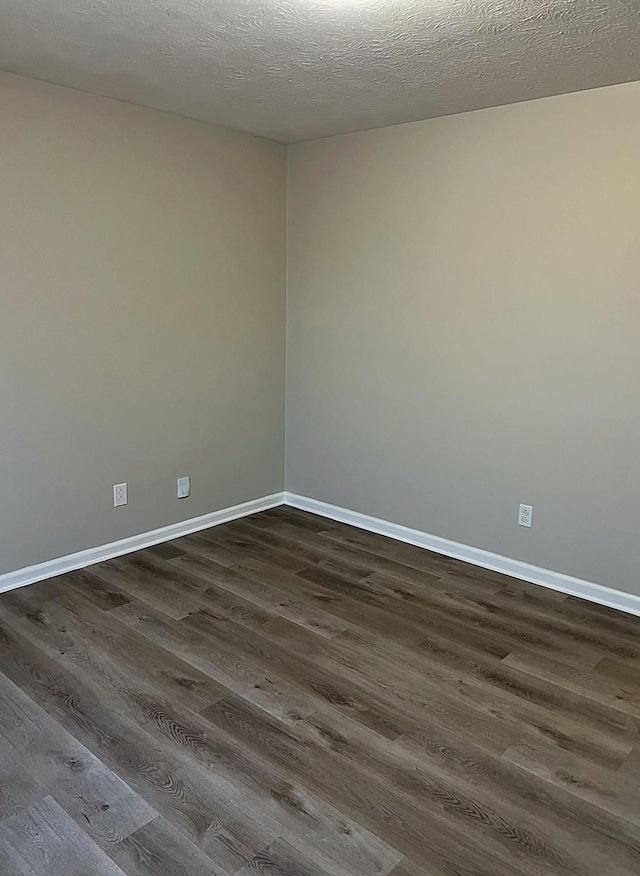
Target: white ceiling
(295,69)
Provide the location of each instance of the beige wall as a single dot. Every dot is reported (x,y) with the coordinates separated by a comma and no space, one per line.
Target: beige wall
(464,328)
(142,266)
(463,315)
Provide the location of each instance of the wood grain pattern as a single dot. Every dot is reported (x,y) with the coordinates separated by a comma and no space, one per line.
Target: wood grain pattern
(289,695)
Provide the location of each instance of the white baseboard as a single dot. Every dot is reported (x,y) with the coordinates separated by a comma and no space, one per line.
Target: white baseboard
(81,559)
(617,599)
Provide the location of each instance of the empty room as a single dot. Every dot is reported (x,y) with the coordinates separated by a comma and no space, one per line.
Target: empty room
(319,438)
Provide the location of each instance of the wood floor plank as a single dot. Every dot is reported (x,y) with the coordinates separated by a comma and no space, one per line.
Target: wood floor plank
(436,682)
(222,661)
(583,681)
(45,841)
(322,551)
(102,594)
(280,805)
(64,629)
(288,695)
(482,785)
(631,766)
(159,849)
(228,545)
(374,801)
(410,868)
(617,793)
(100,802)
(302,519)
(145,705)
(264,595)
(308,553)
(144,576)
(451,754)
(168,782)
(520,627)
(18,789)
(619,673)
(486,688)
(331,590)
(281,859)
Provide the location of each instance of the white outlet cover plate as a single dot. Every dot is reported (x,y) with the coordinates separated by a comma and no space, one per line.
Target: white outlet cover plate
(525,515)
(184,488)
(119,495)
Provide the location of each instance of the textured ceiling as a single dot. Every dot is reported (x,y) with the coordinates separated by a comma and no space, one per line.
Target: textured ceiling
(295,69)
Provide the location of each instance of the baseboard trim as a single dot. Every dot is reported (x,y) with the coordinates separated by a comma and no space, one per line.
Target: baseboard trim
(617,599)
(588,590)
(81,559)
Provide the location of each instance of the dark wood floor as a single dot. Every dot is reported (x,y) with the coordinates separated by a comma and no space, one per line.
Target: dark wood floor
(287,695)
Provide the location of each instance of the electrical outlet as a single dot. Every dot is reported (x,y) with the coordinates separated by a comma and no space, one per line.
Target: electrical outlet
(119,495)
(184,488)
(525,517)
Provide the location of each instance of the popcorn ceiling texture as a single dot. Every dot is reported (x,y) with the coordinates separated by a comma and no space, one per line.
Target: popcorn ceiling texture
(297,69)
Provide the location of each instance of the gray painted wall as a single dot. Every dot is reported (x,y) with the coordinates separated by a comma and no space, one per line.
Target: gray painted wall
(142,278)
(464,328)
(464,312)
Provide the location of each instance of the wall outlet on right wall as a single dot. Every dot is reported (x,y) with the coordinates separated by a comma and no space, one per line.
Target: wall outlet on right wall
(525,516)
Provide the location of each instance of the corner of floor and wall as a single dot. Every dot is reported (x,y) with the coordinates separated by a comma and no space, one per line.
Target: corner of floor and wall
(461,310)
(463,317)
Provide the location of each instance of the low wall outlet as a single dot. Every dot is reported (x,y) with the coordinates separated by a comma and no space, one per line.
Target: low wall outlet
(119,495)
(184,488)
(525,517)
